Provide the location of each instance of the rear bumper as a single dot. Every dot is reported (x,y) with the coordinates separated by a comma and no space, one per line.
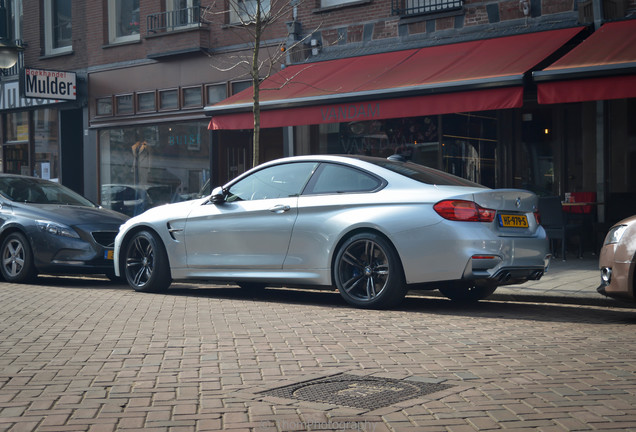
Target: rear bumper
(504,275)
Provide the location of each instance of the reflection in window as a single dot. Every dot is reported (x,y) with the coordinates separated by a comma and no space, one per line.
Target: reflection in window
(334,178)
(279,181)
(124,104)
(240,86)
(467,148)
(143,167)
(182,13)
(216,93)
(58,26)
(244,11)
(146,101)
(45,124)
(168,99)
(104,106)
(123,20)
(192,97)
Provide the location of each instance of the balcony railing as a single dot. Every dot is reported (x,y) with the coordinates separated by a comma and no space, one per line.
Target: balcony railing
(420,7)
(178,19)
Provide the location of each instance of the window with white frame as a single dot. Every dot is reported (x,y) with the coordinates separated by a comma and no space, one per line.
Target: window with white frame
(244,11)
(58,27)
(123,21)
(182,13)
(16,18)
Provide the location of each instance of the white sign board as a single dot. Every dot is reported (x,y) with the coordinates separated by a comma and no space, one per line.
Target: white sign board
(50,84)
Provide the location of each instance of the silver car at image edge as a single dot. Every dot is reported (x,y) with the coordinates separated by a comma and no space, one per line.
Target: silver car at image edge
(371,227)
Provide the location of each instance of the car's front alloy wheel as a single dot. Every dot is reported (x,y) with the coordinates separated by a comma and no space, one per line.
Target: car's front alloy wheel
(368,272)
(146,263)
(17,259)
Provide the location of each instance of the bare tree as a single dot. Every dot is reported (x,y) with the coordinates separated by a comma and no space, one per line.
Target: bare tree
(252,19)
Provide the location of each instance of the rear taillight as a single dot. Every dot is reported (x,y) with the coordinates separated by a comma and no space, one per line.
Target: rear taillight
(461,210)
(537,217)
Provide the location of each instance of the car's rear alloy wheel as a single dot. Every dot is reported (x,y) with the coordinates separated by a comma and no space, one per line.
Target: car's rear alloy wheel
(146,263)
(17,259)
(368,272)
(468,292)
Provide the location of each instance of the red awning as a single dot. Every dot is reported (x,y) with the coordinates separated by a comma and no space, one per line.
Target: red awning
(602,67)
(469,76)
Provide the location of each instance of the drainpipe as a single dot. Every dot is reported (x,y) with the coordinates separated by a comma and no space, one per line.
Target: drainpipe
(597,8)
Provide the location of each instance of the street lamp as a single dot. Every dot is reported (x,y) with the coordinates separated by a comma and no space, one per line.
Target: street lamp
(9,54)
(9,51)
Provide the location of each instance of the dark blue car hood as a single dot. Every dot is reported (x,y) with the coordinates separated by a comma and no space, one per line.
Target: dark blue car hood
(70,215)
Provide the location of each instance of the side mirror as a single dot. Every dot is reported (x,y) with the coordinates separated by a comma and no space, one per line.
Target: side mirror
(218,196)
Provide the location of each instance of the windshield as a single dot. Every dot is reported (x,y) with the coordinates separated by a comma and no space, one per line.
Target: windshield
(421,173)
(37,191)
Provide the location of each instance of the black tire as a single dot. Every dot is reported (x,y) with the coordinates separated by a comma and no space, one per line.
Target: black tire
(17,259)
(146,263)
(467,292)
(110,274)
(368,272)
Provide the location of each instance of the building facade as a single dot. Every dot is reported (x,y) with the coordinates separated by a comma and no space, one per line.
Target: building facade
(141,132)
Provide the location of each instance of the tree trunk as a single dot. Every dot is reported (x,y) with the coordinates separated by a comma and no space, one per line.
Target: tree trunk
(256,86)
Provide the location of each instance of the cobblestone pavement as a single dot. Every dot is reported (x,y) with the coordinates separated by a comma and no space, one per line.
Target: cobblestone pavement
(80,354)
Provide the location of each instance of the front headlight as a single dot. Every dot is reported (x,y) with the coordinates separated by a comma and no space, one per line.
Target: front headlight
(614,235)
(57,229)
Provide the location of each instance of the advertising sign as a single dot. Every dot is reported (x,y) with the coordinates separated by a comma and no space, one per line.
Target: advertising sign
(50,84)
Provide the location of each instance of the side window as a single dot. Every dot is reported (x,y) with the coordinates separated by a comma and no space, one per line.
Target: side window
(278,181)
(334,178)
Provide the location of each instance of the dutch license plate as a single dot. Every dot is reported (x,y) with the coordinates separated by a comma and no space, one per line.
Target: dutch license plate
(109,255)
(513,221)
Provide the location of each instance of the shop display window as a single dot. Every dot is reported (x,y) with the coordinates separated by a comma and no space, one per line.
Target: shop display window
(47,148)
(461,144)
(143,167)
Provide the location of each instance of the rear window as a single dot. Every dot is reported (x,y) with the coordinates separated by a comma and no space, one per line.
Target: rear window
(421,173)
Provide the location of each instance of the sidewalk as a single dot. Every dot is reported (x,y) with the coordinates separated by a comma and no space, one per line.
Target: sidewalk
(573,281)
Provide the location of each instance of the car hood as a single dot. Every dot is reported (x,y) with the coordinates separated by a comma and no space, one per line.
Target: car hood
(71,215)
(168,211)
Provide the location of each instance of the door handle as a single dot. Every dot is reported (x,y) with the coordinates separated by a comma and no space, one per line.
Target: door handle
(280,208)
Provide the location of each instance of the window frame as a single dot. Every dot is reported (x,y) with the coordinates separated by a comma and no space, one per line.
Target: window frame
(310,189)
(105,101)
(49,31)
(112,26)
(140,105)
(237,17)
(162,92)
(184,101)
(170,8)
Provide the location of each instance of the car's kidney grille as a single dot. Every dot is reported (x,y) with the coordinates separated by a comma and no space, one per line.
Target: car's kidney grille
(104,238)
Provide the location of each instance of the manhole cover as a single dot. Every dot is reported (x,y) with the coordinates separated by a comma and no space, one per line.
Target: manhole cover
(356,391)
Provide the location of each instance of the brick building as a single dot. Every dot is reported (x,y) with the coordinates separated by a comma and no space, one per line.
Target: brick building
(495,91)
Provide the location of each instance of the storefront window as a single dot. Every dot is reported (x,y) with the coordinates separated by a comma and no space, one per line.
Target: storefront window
(466,147)
(16,148)
(469,145)
(143,167)
(47,148)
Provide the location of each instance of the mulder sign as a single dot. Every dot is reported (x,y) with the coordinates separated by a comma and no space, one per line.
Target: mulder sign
(49,84)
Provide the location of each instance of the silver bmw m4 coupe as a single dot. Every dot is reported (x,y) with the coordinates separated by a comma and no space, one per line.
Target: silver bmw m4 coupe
(373,228)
